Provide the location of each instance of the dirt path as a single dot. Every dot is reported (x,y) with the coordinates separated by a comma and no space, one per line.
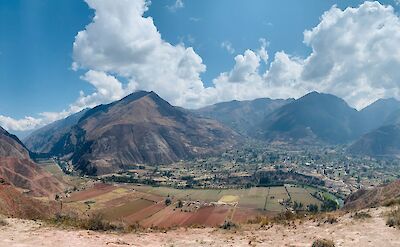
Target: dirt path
(347,232)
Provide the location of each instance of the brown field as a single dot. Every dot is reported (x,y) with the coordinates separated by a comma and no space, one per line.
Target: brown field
(209,207)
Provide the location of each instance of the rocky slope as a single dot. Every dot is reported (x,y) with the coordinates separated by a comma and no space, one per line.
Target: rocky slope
(17,169)
(42,140)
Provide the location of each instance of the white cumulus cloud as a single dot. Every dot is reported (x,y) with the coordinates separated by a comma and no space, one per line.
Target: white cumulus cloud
(354,55)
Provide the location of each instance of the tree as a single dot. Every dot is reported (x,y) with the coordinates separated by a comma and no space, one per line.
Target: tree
(168,201)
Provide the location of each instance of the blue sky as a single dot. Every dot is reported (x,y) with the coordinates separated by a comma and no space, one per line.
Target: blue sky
(36,45)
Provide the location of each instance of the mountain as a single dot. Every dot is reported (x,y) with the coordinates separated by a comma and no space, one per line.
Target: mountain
(378,196)
(315,117)
(41,140)
(140,128)
(382,142)
(17,169)
(381,112)
(242,116)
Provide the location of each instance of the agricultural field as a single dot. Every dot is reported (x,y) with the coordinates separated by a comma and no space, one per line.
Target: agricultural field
(166,207)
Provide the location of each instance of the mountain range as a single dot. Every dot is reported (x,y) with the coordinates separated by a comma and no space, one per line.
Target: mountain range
(140,128)
(144,128)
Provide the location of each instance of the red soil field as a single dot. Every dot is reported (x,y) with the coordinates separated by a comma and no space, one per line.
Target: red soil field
(96,190)
(209,216)
(145,213)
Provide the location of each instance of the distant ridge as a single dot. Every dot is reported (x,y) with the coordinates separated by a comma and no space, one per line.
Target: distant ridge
(315,117)
(242,116)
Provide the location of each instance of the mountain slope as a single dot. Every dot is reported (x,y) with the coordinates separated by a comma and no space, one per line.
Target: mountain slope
(381,112)
(19,170)
(242,116)
(314,117)
(141,128)
(382,142)
(41,140)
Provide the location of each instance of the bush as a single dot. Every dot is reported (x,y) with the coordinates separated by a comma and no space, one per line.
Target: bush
(285,217)
(361,215)
(95,222)
(323,243)
(262,220)
(3,222)
(393,219)
(331,219)
(228,225)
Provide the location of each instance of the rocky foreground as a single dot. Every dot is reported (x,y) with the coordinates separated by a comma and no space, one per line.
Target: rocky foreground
(346,232)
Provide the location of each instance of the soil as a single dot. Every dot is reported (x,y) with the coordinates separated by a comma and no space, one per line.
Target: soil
(346,232)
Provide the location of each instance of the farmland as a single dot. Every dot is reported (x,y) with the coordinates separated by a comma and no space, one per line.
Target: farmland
(166,207)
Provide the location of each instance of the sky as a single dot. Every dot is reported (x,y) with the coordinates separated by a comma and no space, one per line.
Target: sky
(58,57)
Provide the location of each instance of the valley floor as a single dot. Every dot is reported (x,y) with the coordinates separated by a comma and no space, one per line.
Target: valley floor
(346,232)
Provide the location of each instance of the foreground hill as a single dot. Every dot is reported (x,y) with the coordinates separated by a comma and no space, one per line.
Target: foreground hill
(140,128)
(19,170)
(13,203)
(242,116)
(374,197)
(42,140)
(347,232)
(382,142)
(316,117)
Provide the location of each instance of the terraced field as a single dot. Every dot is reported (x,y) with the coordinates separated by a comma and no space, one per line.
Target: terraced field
(149,206)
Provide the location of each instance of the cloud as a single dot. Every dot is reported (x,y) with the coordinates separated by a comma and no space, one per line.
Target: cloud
(354,55)
(228,46)
(121,41)
(177,5)
(194,19)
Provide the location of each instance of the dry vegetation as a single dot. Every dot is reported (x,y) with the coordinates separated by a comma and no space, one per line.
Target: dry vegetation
(393,219)
(323,243)
(3,222)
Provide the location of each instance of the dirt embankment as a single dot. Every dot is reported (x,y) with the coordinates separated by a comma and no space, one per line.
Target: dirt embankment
(346,232)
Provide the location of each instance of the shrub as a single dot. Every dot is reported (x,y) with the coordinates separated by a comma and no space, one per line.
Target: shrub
(3,222)
(393,219)
(361,215)
(262,220)
(323,243)
(95,222)
(331,219)
(285,217)
(227,225)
